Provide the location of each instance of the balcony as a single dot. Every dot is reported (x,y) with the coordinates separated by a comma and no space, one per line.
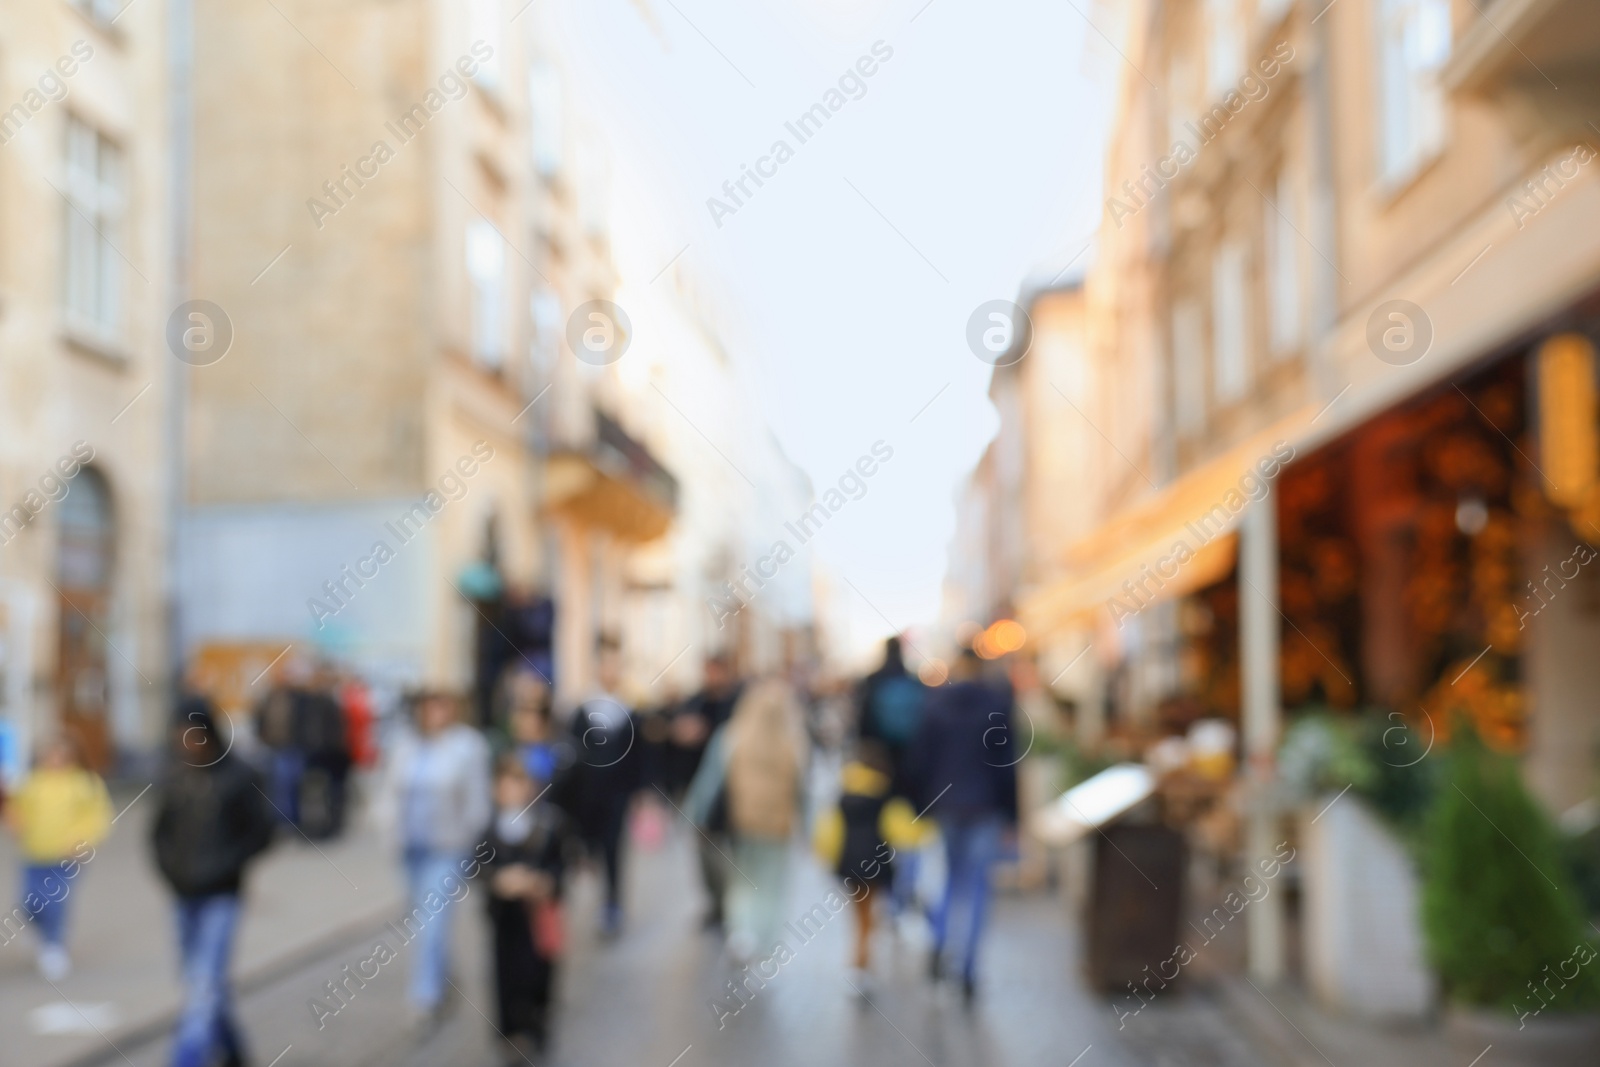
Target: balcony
(1535,60)
(612,483)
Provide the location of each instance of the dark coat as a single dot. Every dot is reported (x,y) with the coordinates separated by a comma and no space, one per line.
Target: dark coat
(963,758)
(605,771)
(524,978)
(210,822)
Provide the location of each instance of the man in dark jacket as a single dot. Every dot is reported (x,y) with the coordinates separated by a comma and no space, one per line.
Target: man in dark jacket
(962,770)
(326,747)
(212,820)
(606,772)
(281,727)
(690,732)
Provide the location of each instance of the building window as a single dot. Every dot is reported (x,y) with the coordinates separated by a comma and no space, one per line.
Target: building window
(1285,276)
(1224,46)
(547,112)
(94,210)
(544,308)
(1188,366)
(1229,323)
(486,268)
(1414,42)
(485,22)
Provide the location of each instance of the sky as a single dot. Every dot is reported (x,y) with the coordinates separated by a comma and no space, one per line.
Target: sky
(843,284)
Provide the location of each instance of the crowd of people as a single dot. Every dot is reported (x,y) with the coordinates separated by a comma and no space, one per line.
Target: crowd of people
(513,806)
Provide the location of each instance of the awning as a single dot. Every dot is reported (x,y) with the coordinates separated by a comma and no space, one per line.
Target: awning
(1179,539)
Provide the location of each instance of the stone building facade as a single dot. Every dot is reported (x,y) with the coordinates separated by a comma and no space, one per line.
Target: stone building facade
(85,375)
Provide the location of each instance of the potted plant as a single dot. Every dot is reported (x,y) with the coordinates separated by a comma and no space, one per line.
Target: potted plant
(1504,924)
(1358,783)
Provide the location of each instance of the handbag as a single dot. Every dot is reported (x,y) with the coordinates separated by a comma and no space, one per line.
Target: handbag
(549,929)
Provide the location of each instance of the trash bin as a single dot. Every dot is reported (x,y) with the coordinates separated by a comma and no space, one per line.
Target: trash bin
(1135,902)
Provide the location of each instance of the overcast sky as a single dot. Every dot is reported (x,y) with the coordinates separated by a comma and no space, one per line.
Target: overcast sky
(844,283)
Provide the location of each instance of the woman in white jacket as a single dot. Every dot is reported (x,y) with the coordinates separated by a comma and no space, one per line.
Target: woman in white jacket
(438,797)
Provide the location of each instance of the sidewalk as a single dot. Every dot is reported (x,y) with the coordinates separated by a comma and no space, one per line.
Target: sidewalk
(300,898)
(1284,1022)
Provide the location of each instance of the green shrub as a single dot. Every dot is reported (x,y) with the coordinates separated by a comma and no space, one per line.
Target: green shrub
(1498,907)
(1404,772)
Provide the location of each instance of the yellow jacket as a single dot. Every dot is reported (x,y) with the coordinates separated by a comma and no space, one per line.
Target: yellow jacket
(897,824)
(56,811)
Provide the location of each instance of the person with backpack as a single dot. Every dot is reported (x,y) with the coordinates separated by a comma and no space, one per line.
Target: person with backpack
(889,705)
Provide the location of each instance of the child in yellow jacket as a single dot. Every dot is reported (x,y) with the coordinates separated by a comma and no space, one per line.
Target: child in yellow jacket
(60,812)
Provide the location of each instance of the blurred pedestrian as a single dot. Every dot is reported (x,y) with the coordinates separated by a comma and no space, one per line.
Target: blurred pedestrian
(961,768)
(325,741)
(756,765)
(889,707)
(355,700)
(531,732)
(690,732)
(524,875)
(604,777)
(697,719)
(280,726)
(889,704)
(212,818)
(437,790)
(59,813)
(853,838)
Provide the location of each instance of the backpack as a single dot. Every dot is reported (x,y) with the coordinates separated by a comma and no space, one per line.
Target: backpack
(896,709)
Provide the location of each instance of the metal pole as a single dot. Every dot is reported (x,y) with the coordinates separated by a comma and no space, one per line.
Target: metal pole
(1259,638)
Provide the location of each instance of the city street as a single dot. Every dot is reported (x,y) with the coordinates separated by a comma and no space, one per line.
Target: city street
(464,464)
(642,999)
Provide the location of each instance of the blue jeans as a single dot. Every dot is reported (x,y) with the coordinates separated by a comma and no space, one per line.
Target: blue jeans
(438,875)
(971,848)
(206,1028)
(288,770)
(903,891)
(44,897)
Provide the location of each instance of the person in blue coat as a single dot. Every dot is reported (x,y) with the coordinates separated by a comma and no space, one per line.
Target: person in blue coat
(961,771)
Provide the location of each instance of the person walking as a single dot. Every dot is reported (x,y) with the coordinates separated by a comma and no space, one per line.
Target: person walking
(604,776)
(59,813)
(524,872)
(280,721)
(326,745)
(212,819)
(853,838)
(437,791)
(755,765)
(961,768)
(690,732)
(889,705)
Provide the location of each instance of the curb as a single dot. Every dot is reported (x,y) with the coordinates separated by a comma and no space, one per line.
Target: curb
(1272,1033)
(137,1035)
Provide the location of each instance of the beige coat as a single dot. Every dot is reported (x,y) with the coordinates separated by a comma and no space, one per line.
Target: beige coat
(766,762)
